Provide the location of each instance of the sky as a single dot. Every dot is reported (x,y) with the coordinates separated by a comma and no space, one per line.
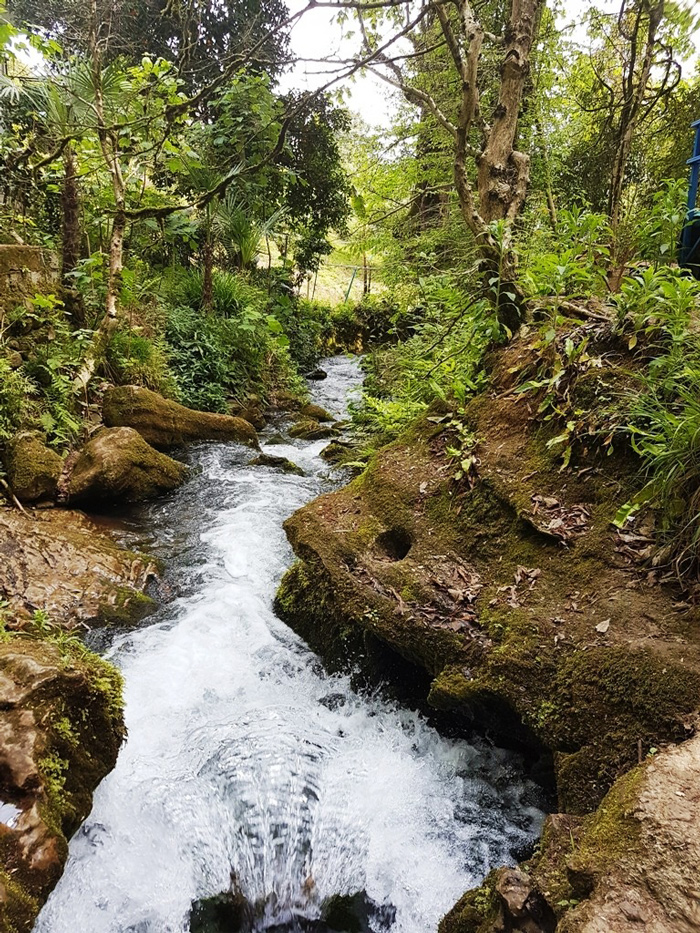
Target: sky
(316,35)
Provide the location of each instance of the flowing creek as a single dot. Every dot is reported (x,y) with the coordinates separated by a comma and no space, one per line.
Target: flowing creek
(246,760)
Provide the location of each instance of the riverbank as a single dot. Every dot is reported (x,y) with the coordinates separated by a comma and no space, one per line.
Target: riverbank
(533,616)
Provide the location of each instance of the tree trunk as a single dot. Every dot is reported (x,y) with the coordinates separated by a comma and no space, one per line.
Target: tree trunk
(632,104)
(70,240)
(207,273)
(503,173)
(108,323)
(109,145)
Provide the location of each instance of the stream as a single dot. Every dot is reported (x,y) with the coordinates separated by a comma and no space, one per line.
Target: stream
(246,760)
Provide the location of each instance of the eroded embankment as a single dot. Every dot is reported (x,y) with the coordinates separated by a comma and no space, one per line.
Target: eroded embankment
(527,610)
(61,721)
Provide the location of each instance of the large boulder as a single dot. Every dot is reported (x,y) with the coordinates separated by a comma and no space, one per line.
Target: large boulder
(33,469)
(118,465)
(61,727)
(165,423)
(59,562)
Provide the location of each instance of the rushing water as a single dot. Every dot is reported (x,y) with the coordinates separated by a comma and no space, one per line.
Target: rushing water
(246,760)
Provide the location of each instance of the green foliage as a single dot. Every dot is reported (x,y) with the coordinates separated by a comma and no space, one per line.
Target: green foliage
(132,358)
(658,316)
(39,393)
(234,296)
(308,327)
(16,390)
(573,261)
(237,349)
(441,360)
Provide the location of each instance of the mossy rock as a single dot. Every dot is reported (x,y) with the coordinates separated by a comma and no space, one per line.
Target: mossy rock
(315,413)
(502,615)
(117,465)
(308,430)
(33,469)
(335,452)
(277,463)
(164,423)
(61,727)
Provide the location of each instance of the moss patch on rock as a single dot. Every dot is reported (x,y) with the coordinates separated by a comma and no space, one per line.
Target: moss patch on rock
(61,726)
(33,469)
(164,423)
(117,465)
(61,563)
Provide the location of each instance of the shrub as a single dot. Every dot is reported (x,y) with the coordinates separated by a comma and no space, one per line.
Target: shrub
(134,359)
(308,327)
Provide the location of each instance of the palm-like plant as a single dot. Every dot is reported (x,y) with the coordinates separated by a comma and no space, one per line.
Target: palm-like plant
(239,232)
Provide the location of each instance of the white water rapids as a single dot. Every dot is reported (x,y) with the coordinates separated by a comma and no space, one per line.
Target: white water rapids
(244,758)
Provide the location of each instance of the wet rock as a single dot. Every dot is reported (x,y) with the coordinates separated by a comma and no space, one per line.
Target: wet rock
(315,413)
(341,913)
(278,463)
(118,465)
(222,913)
(61,563)
(287,401)
(317,374)
(357,913)
(60,730)
(33,469)
(311,431)
(509,901)
(629,867)
(335,451)
(251,413)
(277,439)
(164,423)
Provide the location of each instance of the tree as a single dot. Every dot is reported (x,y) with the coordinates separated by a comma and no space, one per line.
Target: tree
(490,71)
(201,37)
(635,70)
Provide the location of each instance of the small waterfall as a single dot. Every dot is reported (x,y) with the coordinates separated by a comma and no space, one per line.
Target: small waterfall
(246,761)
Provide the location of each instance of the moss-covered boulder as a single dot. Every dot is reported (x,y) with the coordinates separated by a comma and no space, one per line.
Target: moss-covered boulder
(61,727)
(308,430)
(277,463)
(117,465)
(164,423)
(630,866)
(59,562)
(250,411)
(315,413)
(33,469)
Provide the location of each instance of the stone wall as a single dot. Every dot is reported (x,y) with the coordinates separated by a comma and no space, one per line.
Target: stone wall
(24,271)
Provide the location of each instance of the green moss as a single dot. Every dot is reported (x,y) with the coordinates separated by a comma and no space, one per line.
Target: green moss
(18,908)
(476,912)
(129,607)
(57,807)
